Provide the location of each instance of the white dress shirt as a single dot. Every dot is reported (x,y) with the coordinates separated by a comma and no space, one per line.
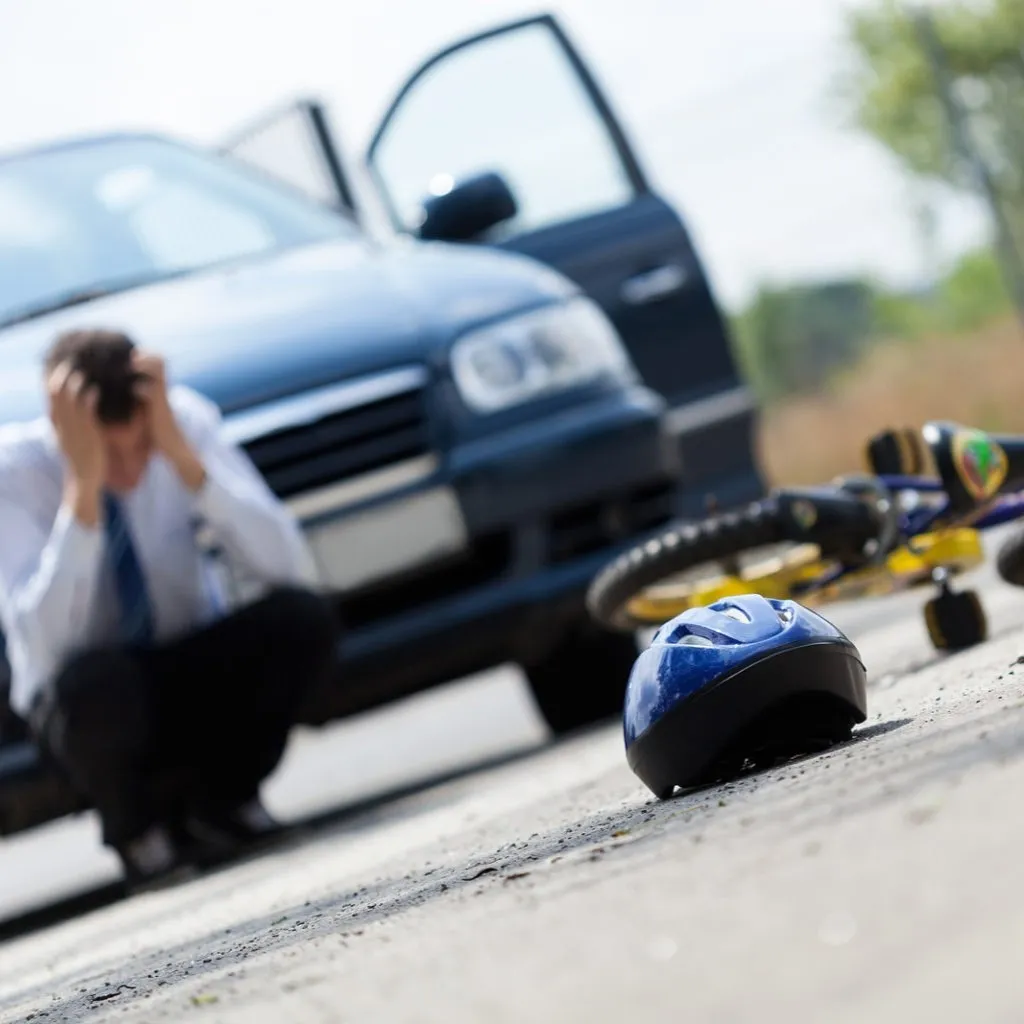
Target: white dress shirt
(56,592)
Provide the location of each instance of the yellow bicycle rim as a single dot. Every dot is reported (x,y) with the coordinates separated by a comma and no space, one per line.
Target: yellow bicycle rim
(957,550)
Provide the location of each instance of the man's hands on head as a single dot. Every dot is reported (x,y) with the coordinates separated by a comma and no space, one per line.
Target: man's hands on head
(165,431)
(73,413)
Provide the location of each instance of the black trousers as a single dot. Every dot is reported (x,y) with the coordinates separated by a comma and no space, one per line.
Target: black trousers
(194,725)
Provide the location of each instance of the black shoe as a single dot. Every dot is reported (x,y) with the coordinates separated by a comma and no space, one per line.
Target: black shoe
(152,859)
(214,837)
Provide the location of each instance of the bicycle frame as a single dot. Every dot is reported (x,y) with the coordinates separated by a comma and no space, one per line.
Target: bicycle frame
(1005,509)
(944,540)
(863,535)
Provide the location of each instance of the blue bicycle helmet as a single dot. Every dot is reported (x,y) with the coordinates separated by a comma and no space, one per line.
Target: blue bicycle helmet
(746,681)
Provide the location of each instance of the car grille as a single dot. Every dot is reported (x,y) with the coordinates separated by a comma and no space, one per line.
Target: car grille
(586,529)
(343,445)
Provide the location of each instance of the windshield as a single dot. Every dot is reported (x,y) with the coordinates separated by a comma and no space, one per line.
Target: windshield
(102,215)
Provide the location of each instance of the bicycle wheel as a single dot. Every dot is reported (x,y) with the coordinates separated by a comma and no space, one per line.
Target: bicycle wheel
(683,561)
(848,523)
(1010,559)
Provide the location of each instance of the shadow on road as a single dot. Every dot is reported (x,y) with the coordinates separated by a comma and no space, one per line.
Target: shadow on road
(594,835)
(879,729)
(79,904)
(345,914)
(39,918)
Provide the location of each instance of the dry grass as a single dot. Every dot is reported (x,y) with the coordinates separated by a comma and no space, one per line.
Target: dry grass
(976,380)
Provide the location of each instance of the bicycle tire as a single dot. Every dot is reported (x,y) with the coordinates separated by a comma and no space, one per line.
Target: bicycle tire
(1010,560)
(676,550)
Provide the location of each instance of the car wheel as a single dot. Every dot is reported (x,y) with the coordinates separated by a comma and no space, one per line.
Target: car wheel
(12,728)
(583,680)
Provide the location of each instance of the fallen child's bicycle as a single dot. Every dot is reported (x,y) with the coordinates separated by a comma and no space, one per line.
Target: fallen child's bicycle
(915,520)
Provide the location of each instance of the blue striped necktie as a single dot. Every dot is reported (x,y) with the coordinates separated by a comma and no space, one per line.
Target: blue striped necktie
(136,611)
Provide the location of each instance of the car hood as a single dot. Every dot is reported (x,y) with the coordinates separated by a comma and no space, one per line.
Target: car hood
(261,329)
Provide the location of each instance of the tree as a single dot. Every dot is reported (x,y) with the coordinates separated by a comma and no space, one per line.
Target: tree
(792,339)
(893,95)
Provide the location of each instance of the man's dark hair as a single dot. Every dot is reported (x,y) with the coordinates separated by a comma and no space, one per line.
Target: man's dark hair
(104,358)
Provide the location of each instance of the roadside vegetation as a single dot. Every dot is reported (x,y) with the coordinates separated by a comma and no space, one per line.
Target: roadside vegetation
(834,361)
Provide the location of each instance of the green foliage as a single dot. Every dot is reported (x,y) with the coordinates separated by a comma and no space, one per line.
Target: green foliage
(892,94)
(903,316)
(797,339)
(791,339)
(974,292)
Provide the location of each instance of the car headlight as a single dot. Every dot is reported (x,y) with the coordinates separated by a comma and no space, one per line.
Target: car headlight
(528,356)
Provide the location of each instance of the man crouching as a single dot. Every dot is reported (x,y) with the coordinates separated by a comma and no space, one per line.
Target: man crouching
(164,706)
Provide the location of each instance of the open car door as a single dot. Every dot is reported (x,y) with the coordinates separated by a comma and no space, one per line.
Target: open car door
(506,139)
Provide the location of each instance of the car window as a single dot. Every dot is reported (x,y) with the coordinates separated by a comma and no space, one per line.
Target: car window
(86,216)
(163,212)
(284,143)
(512,104)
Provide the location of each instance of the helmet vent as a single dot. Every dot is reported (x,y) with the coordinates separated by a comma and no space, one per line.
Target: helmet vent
(737,613)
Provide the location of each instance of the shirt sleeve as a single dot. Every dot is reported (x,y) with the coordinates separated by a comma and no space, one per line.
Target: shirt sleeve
(48,585)
(255,527)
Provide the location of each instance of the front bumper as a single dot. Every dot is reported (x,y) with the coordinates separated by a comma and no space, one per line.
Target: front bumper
(543,507)
(539,507)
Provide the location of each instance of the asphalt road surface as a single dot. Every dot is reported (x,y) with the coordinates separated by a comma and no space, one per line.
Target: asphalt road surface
(881,881)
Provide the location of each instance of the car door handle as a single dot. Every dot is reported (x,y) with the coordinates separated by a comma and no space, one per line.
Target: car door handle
(655,284)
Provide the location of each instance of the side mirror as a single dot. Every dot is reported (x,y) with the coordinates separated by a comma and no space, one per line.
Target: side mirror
(468,209)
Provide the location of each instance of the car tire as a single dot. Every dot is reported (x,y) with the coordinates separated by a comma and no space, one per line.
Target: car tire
(582,681)
(12,728)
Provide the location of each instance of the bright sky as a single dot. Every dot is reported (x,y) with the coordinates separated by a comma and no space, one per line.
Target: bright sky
(727,101)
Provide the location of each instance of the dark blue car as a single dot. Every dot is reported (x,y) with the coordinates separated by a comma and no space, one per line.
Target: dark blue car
(469,416)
